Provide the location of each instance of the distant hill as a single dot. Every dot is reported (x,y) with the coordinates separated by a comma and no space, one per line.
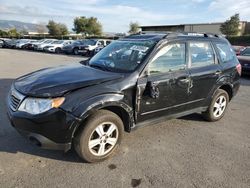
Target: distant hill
(20,26)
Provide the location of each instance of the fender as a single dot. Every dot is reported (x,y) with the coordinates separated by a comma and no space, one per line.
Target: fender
(90,106)
(224,80)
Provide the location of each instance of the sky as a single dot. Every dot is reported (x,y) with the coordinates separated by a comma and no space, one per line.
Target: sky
(115,15)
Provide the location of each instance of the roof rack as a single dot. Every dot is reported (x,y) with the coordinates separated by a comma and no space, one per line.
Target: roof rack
(192,34)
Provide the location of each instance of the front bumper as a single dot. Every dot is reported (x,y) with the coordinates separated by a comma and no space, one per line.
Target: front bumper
(50,130)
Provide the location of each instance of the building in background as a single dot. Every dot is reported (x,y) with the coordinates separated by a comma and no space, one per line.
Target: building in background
(244,27)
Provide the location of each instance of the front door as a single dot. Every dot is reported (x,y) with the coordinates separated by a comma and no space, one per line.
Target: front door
(164,90)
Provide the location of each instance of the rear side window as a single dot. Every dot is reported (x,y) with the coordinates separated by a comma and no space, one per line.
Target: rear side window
(171,57)
(201,54)
(225,52)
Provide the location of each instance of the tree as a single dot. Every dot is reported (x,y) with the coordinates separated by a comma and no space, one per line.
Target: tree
(24,32)
(13,33)
(231,27)
(41,28)
(134,27)
(57,29)
(88,26)
(3,33)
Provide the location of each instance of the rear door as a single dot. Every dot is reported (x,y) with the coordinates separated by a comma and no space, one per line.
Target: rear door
(204,70)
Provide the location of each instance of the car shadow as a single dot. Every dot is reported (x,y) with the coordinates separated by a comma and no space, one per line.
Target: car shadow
(193,117)
(12,142)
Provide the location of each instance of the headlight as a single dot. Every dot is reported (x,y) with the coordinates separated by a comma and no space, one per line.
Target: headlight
(38,105)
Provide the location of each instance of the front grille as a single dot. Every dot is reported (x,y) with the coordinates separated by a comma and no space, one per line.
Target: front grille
(15,99)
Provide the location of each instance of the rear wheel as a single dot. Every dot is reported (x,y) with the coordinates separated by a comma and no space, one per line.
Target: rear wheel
(58,50)
(100,136)
(218,106)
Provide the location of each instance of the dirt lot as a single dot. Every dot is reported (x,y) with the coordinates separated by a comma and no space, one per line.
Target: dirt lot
(185,152)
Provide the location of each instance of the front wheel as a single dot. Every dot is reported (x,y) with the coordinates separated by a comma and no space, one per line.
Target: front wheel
(75,51)
(99,137)
(218,106)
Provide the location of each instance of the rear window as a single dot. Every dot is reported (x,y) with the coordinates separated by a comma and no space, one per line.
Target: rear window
(226,53)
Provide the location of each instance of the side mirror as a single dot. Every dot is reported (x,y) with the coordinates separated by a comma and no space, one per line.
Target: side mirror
(85,62)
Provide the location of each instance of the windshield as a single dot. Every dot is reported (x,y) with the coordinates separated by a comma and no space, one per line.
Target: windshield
(58,42)
(49,41)
(246,52)
(122,56)
(77,42)
(90,42)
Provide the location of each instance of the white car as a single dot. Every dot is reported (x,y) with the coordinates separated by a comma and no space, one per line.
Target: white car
(20,43)
(56,46)
(44,43)
(91,44)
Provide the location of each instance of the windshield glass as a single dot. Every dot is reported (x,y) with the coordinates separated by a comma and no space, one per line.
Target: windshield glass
(90,42)
(58,42)
(246,52)
(77,42)
(49,41)
(122,56)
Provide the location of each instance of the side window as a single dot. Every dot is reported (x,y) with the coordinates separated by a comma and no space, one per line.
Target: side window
(225,52)
(170,58)
(201,54)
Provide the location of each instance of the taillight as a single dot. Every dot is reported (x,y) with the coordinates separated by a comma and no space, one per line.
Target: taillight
(239,68)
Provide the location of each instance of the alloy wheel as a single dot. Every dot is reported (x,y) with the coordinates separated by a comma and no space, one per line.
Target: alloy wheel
(103,139)
(219,106)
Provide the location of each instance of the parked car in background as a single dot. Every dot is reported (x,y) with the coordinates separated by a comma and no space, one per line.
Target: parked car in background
(10,43)
(238,49)
(1,43)
(74,47)
(56,46)
(244,59)
(42,44)
(29,45)
(20,43)
(91,44)
(135,81)
(100,47)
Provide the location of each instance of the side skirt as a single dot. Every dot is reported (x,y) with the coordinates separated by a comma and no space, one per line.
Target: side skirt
(165,118)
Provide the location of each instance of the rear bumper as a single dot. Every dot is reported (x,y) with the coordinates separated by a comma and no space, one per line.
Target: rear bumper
(236,87)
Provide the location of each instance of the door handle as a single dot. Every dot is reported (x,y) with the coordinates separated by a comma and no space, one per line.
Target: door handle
(185,80)
(218,72)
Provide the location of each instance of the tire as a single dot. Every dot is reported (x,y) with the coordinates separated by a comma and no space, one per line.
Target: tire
(58,50)
(104,130)
(75,51)
(217,107)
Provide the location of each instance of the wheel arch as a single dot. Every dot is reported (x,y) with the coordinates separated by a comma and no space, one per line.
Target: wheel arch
(228,88)
(121,109)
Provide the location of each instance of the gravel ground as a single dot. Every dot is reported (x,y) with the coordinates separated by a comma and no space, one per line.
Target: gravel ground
(185,152)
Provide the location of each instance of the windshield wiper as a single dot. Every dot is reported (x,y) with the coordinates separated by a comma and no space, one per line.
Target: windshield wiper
(100,67)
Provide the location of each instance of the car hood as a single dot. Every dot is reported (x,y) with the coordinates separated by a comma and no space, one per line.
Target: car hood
(54,82)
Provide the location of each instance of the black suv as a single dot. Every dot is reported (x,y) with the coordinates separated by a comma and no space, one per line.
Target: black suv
(134,81)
